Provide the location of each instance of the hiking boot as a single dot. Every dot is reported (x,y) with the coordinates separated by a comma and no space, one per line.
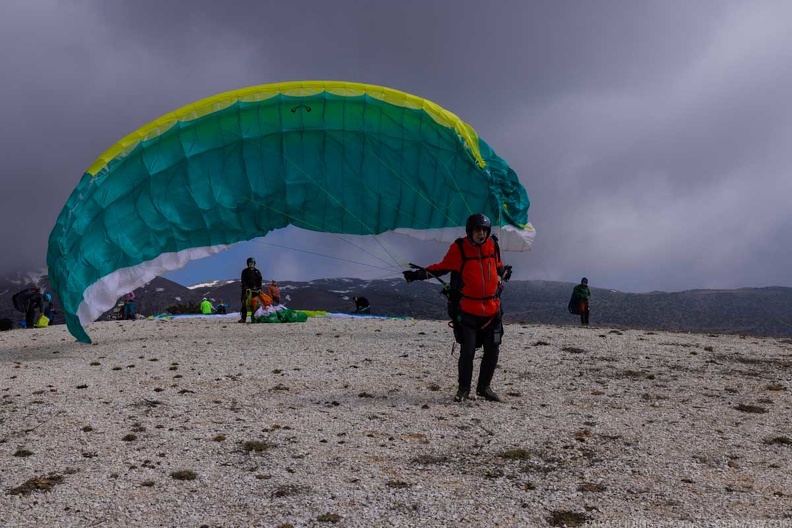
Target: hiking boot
(488,394)
(463,394)
(241,321)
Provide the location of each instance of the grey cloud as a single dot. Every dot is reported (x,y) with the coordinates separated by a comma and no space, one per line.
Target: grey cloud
(651,137)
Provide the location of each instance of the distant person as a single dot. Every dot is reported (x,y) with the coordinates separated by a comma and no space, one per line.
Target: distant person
(222,307)
(579,303)
(251,287)
(49,308)
(362,305)
(206,307)
(47,312)
(29,301)
(274,292)
(129,306)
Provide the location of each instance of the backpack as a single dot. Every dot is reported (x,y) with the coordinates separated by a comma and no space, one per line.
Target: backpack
(573,305)
(21,299)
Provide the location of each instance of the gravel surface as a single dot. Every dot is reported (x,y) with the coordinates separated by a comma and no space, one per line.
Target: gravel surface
(350,422)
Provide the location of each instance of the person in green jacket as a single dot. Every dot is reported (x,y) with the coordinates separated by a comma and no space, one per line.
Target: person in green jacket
(580,297)
(206,307)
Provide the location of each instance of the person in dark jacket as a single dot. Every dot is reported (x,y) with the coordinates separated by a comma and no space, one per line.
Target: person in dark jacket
(580,298)
(477,260)
(29,301)
(362,305)
(251,286)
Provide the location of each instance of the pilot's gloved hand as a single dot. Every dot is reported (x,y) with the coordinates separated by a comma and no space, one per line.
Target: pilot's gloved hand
(414,275)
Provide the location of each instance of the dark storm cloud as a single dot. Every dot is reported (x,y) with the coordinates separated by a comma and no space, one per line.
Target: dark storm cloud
(651,136)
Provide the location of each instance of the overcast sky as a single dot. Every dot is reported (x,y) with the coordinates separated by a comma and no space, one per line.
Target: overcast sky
(653,138)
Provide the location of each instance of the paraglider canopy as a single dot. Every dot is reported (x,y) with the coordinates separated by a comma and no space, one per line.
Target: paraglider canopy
(329,156)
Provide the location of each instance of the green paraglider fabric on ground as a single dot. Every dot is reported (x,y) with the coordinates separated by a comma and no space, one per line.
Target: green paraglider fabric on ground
(282,316)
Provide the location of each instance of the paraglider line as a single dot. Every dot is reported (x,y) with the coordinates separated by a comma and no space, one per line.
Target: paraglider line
(327,256)
(316,226)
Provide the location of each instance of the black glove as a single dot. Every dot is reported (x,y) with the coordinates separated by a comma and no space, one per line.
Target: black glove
(414,275)
(505,273)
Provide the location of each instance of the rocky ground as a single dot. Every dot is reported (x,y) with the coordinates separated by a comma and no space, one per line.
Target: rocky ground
(350,422)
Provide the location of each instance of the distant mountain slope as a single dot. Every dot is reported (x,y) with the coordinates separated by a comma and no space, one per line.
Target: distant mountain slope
(756,311)
(759,311)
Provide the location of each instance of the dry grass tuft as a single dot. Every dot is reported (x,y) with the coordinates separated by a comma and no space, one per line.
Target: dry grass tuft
(145,402)
(591,487)
(755,409)
(36,484)
(515,454)
(290,490)
(565,518)
(184,474)
(256,446)
(425,460)
(779,440)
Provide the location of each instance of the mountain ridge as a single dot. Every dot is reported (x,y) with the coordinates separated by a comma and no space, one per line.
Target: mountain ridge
(765,311)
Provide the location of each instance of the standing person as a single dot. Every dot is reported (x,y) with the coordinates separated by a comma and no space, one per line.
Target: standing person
(32,301)
(49,308)
(251,286)
(206,307)
(362,305)
(129,306)
(274,292)
(580,299)
(222,307)
(477,274)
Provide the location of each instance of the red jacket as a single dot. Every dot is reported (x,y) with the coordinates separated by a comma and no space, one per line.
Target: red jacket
(480,281)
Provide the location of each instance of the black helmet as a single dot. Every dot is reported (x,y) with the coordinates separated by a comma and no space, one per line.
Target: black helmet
(477,220)
(250,261)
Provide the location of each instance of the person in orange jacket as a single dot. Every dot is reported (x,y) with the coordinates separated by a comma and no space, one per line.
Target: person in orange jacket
(274,292)
(479,271)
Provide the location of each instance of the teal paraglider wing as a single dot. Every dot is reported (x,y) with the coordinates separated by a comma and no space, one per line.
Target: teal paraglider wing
(325,156)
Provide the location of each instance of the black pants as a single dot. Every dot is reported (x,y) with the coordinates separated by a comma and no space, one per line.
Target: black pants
(30,317)
(243,310)
(489,337)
